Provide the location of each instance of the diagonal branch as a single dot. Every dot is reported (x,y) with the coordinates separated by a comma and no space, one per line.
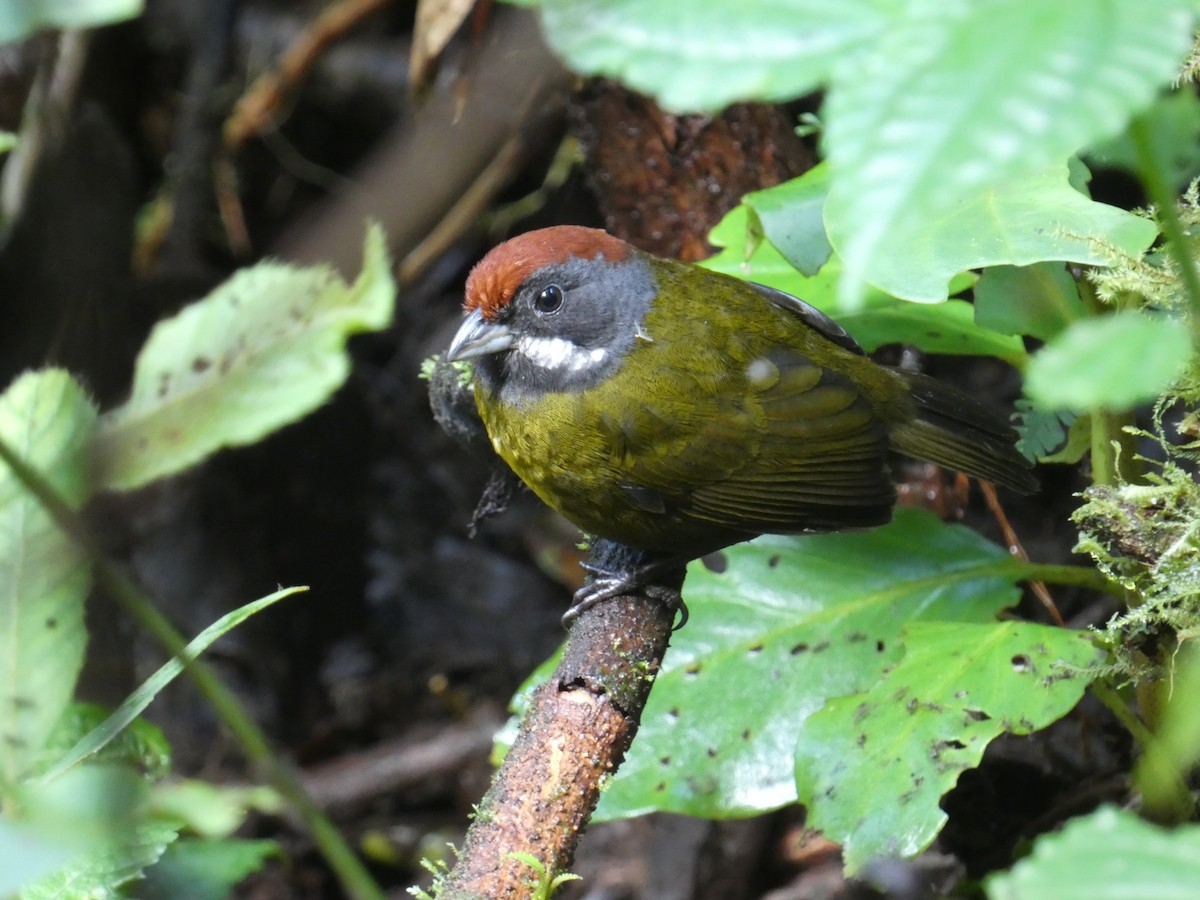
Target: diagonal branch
(574,735)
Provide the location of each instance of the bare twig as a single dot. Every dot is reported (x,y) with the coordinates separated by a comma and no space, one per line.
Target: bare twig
(256,110)
(1017,549)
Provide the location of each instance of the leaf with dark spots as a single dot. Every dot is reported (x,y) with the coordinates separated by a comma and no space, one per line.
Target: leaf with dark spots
(798,599)
(953,691)
(278,335)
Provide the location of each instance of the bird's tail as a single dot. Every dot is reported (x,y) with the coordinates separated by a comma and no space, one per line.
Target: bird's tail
(957,431)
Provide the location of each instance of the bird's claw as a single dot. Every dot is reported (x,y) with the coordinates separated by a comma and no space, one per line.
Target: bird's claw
(606,585)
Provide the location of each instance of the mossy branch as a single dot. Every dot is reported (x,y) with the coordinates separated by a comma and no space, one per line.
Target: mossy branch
(574,736)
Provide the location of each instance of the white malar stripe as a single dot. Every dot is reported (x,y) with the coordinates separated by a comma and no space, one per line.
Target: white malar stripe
(558,353)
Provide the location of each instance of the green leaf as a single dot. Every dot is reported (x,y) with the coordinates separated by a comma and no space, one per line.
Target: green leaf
(790,623)
(709,54)
(871,767)
(95,810)
(880,319)
(1039,300)
(140,746)
(958,99)
(21,18)
(1030,218)
(136,703)
(99,874)
(790,215)
(28,856)
(210,810)
(204,870)
(1108,363)
(46,421)
(1055,436)
(1110,853)
(262,350)
(1173,124)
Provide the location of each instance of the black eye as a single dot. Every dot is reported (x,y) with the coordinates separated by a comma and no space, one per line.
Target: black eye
(549,300)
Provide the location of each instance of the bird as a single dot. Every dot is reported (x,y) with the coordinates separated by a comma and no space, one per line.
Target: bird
(677,410)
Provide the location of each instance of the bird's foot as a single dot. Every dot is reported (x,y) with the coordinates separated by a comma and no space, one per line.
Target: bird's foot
(605,584)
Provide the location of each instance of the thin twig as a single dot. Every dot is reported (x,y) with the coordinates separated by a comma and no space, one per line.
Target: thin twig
(256,110)
(1017,549)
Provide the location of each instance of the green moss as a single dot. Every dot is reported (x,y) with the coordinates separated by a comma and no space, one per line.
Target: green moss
(1146,537)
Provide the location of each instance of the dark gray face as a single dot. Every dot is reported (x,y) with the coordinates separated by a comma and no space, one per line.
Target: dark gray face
(571,324)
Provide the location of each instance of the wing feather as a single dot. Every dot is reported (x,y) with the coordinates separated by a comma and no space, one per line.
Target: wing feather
(798,449)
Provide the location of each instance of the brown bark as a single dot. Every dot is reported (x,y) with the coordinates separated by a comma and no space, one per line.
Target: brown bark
(574,734)
(663,180)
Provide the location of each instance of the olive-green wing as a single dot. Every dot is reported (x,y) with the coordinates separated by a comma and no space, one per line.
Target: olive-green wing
(795,447)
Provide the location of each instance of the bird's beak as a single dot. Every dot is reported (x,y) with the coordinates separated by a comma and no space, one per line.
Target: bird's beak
(478,337)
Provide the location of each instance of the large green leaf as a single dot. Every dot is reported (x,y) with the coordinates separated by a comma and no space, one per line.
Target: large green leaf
(1109,854)
(879,319)
(710,53)
(262,350)
(871,767)
(1032,217)
(789,624)
(1039,300)
(46,421)
(1109,362)
(937,110)
(958,105)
